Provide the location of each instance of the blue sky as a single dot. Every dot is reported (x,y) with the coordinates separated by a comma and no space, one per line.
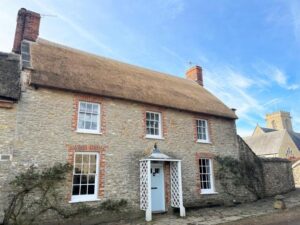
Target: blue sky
(249,50)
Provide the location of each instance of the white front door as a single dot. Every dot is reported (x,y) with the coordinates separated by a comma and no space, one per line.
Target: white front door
(157,187)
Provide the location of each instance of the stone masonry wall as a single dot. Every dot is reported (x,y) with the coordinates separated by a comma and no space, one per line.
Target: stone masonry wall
(45,133)
(276,173)
(7,136)
(278,176)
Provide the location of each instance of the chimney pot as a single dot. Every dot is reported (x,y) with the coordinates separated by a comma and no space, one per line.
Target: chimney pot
(28,24)
(195,74)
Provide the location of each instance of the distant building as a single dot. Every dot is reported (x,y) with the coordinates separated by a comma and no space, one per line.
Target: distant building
(276,140)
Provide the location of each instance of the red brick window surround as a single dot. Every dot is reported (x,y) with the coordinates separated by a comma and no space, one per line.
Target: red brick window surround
(204,163)
(100,113)
(86,150)
(202,130)
(149,120)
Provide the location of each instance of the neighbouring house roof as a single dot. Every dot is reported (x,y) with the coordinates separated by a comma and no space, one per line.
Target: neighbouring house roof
(296,138)
(10,76)
(267,130)
(267,143)
(57,66)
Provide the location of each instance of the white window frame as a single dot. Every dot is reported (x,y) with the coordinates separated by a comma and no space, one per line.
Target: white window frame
(210,190)
(207,140)
(86,197)
(159,136)
(89,131)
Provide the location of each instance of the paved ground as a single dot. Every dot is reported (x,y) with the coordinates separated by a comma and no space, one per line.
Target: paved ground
(260,213)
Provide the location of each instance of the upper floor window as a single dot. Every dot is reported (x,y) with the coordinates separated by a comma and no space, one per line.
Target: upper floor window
(85,176)
(88,117)
(202,130)
(153,125)
(206,176)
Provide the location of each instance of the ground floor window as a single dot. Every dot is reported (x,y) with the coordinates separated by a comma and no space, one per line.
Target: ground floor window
(206,176)
(85,176)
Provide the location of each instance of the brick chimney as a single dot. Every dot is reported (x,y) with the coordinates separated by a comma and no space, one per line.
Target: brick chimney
(28,24)
(195,74)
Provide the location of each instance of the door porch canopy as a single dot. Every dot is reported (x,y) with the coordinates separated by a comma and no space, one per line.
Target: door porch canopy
(145,182)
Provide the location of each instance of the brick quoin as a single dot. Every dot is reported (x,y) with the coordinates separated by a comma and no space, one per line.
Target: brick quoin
(167,183)
(198,156)
(92,99)
(163,119)
(101,150)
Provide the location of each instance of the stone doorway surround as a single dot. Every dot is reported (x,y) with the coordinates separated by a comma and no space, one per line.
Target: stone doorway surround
(145,182)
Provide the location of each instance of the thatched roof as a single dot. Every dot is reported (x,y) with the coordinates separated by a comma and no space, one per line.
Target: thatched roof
(10,76)
(57,66)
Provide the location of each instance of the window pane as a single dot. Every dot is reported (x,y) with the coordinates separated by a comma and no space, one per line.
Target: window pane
(91,179)
(95,108)
(75,190)
(83,179)
(78,158)
(77,168)
(93,168)
(85,158)
(85,168)
(87,125)
(82,106)
(76,179)
(93,158)
(94,118)
(91,189)
(89,107)
(83,189)
(94,126)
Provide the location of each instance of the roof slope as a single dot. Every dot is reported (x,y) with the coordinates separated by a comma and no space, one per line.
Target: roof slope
(60,67)
(10,76)
(267,130)
(267,143)
(296,138)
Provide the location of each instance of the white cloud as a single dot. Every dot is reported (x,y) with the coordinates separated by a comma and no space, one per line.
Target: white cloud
(274,74)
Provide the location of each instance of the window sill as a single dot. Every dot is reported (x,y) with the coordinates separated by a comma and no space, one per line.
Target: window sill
(154,137)
(88,132)
(87,200)
(209,193)
(203,142)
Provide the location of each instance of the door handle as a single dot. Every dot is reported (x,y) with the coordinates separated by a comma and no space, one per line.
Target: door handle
(153,188)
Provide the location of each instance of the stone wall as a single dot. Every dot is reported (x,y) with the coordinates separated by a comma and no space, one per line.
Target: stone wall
(7,137)
(45,132)
(275,173)
(278,176)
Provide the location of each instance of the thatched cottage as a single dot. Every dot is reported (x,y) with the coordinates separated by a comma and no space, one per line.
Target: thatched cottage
(129,132)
